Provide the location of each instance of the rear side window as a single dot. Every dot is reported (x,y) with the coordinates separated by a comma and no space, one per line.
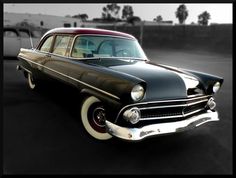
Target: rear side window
(61,44)
(47,44)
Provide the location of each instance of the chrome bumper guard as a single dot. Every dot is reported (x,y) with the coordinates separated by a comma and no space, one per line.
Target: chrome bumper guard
(161,128)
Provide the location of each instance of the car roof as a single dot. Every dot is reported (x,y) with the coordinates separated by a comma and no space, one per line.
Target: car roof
(91,31)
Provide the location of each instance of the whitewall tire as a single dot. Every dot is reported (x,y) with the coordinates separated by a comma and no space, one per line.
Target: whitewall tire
(93,118)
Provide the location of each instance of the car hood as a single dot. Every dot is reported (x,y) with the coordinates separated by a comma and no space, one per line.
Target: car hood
(161,82)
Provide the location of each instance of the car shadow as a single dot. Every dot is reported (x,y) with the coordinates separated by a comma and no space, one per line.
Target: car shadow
(63,95)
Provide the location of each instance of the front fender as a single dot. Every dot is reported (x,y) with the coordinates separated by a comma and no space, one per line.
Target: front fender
(111,104)
(207,80)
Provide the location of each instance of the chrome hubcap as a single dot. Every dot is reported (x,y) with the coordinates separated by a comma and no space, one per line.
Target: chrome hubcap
(99,116)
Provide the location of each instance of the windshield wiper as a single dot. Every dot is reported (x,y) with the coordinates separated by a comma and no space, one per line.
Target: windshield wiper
(139,59)
(111,58)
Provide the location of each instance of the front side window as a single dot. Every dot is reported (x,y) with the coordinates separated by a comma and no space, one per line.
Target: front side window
(47,44)
(60,45)
(106,46)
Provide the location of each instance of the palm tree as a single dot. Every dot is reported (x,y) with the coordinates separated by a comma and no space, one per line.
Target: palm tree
(127,12)
(181,13)
(111,12)
(203,18)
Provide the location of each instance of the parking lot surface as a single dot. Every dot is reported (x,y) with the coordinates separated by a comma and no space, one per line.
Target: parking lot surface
(43,133)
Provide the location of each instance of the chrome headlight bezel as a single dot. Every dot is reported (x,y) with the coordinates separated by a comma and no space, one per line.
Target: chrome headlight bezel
(216,87)
(137,92)
(132,115)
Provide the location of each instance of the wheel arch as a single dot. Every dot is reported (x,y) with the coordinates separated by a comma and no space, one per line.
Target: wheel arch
(113,104)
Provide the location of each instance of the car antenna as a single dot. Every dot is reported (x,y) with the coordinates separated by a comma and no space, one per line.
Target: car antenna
(31,42)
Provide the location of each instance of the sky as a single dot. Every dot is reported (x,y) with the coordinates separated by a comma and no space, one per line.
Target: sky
(220,12)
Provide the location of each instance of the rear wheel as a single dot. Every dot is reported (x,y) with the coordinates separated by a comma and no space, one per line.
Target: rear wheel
(93,115)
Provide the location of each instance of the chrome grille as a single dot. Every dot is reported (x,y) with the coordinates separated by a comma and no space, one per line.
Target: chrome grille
(176,109)
(167,110)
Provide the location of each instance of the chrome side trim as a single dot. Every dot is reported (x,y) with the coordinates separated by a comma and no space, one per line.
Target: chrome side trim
(83,83)
(135,134)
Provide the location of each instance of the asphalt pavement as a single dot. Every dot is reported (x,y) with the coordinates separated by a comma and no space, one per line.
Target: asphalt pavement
(43,134)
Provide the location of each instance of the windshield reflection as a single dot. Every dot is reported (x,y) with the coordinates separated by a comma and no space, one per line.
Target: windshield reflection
(88,46)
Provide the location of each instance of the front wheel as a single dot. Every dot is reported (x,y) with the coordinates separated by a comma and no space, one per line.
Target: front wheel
(93,115)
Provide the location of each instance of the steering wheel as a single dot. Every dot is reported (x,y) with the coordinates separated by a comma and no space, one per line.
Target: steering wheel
(106,42)
(123,53)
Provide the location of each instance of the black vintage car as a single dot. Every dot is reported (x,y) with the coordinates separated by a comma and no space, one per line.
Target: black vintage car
(125,94)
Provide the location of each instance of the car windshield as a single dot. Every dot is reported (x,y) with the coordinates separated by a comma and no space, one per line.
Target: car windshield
(88,46)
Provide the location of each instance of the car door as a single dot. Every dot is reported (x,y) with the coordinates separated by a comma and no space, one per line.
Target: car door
(83,47)
(57,64)
(11,42)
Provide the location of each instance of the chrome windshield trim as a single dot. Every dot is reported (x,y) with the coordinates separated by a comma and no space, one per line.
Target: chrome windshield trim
(113,36)
(83,83)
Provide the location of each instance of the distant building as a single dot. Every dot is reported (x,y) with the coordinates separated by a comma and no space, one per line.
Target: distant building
(39,20)
(94,24)
(152,23)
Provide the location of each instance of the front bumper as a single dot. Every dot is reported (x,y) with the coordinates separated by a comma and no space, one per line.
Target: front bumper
(161,128)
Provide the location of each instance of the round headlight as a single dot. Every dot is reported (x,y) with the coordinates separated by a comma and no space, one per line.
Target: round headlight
(137,92)
(216,87)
